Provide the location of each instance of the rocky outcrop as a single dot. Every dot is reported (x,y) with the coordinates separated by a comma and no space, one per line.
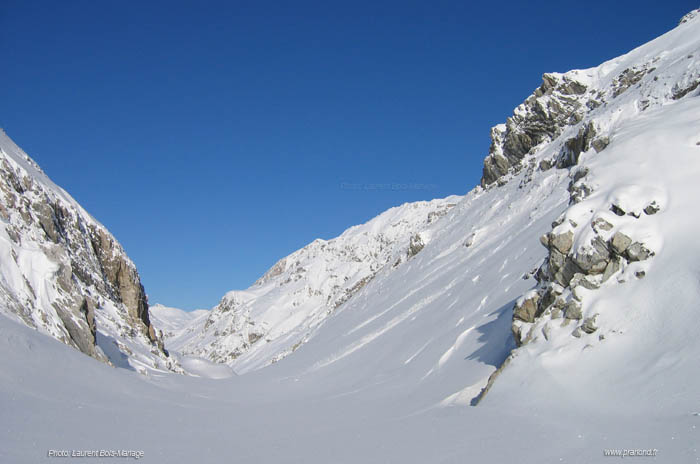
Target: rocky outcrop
(558,103)
(580,258)
(415,245)
(68,276)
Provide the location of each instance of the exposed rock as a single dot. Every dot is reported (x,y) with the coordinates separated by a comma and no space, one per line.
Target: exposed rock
(559,102)
(617,210)
(527,310)
(415,246)
(679,93)
(600,224)
(600,144)
(573,147)
(579,192)
(470,240)
(584,281)
(273,272)
(91,270)
(588,325)
(594,258)
(637,252)
(562,268)
(572,311)
(546,165)
(562,242)
(628,78)
(620,242)
(652,209)
(612,267)
(689,16)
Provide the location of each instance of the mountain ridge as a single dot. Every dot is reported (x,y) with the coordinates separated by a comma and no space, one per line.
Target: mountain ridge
(64,274)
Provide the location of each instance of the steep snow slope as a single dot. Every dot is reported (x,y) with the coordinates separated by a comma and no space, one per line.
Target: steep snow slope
(537,166)
(64,274)
(440,324)
(252,328)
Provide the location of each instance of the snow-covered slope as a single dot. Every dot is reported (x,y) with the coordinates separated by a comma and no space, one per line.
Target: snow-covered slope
(64,274)
(263,324)
(560,147)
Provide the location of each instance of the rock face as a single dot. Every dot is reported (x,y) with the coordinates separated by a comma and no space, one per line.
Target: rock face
(570,118)
(560,101)
(566,107)
(252,328)
(64,274)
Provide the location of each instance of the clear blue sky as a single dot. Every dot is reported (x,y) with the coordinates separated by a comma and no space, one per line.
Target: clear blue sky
(213,138)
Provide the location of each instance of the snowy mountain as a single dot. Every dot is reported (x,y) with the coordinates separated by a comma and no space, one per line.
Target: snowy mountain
(560,296)
(64,274)
(552,157)
(255,327)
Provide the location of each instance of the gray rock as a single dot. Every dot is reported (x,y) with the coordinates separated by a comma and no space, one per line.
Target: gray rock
(612,268)
(582,280)
(415,246)
(588,325)
(517,334)
(577,332)
(562,242)
(628,78)
(470,240)
(601,224)
(572,310)
(652,208)
(600,144)
(619,243)
(546,165)
(544,240)
(679,93)
(561,268)
(638,252)
(579,174)
(528,310)
(617,210)
(564,275)
(595,259)
(558,103)
(573,147)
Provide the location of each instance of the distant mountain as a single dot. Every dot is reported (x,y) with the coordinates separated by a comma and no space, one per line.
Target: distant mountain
(64,274)
(255,327)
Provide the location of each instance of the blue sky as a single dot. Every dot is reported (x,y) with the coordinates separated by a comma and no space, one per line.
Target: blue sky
(213,138)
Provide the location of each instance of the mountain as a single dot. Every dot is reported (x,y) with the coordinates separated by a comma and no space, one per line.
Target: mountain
(550,161)
(252,328)
(65,275)
(559,298)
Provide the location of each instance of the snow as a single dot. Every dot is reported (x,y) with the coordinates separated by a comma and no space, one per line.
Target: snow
(390,374)
(35,270)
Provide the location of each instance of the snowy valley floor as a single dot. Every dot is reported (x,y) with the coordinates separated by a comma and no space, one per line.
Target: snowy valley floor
(56,398)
